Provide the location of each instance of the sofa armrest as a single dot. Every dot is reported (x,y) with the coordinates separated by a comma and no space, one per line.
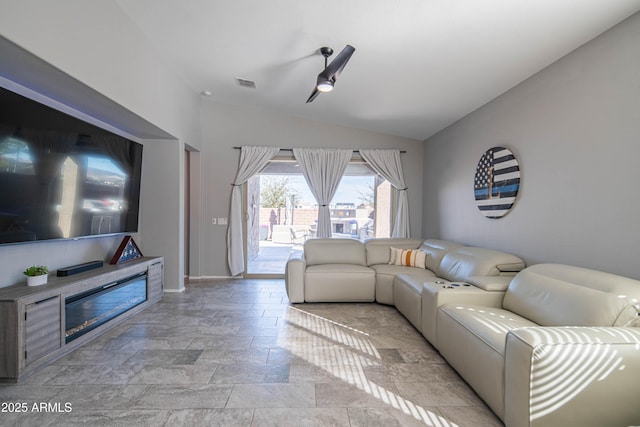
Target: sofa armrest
(490,283)
(585,376)
(294,277)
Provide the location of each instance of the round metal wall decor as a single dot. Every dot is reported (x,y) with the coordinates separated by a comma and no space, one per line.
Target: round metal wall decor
(496,182)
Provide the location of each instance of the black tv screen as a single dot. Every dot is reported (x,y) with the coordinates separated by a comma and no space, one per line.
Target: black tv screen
(61,177)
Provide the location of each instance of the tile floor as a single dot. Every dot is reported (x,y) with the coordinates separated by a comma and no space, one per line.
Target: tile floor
(235,353)
(271,258)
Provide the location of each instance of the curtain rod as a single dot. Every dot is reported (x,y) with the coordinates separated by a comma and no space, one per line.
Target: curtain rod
(291,149)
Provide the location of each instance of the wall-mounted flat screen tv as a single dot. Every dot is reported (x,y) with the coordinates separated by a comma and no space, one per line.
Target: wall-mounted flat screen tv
(61,177)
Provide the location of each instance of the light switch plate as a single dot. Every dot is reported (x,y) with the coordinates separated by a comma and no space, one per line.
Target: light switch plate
(223,221)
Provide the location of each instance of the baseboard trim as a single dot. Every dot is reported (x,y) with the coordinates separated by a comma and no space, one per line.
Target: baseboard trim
(173,291)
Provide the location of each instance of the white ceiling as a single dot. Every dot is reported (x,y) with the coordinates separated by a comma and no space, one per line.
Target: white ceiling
(419,65)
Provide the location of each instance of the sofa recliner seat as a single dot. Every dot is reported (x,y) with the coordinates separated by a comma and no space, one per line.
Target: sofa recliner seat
(547,347)
(330,270)
(555,352)
(343,270)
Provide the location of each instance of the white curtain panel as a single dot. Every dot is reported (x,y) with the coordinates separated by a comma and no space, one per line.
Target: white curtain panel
(387,163)
(252,161)
(323,169)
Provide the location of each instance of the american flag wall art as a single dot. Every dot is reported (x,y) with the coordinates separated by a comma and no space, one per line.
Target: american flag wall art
(127,251)
(496,182)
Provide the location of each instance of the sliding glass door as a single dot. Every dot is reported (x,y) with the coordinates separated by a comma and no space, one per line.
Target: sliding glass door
(282,213)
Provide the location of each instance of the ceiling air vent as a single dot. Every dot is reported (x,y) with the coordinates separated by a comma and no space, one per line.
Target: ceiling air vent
(246,83)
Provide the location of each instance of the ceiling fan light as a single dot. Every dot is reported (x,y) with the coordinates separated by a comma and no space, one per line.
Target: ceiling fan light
(325,85)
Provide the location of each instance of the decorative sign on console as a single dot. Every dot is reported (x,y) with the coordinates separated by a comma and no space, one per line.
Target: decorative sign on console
(496,182)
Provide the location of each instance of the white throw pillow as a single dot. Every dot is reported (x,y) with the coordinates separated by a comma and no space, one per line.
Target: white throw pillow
(408,257)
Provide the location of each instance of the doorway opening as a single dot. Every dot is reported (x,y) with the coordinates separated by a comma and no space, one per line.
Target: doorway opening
(282,213)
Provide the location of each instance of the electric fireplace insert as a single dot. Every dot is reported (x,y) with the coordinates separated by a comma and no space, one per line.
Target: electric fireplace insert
(88,310)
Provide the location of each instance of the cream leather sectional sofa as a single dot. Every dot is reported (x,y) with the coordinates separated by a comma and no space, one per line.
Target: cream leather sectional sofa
(546,345)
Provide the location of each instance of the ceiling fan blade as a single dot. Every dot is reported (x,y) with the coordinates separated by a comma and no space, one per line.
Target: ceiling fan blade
(333,70)
(313,95)
(336,66)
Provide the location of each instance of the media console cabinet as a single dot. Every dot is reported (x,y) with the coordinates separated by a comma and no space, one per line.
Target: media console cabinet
(40,324)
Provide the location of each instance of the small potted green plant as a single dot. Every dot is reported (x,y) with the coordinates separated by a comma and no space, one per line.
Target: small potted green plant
(36,275)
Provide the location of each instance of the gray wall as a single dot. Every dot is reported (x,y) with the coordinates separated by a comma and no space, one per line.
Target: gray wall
(89,54)
(224,127)
(97,44)
(162,208)
(123,71)
(575,129)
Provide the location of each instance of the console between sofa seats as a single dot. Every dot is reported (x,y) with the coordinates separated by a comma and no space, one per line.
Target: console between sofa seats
(440,292)
(483,275)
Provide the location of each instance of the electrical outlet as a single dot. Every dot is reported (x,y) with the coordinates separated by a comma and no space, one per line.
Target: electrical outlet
(214,221)
(223,221)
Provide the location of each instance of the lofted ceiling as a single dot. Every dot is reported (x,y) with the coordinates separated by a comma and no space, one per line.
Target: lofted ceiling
(419,65)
